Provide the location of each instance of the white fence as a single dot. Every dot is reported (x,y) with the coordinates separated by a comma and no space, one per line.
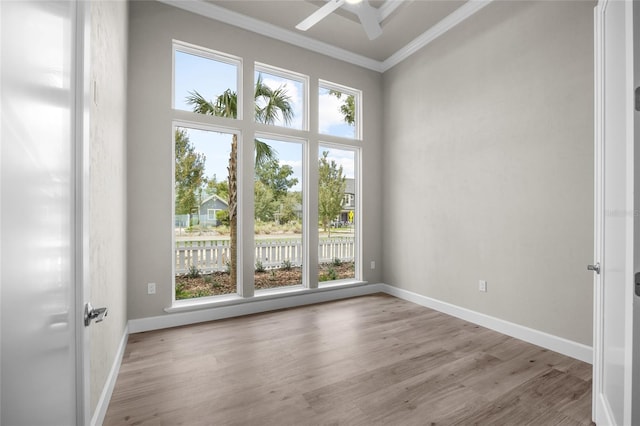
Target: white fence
(211,256)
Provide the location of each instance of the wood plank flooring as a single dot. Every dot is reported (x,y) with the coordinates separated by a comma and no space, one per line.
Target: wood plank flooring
(372,360)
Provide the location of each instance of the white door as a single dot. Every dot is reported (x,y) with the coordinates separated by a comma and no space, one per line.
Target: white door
(42,332)
(614,214)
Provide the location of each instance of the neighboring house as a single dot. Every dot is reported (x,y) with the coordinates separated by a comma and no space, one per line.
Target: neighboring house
(348,204)
(208,209)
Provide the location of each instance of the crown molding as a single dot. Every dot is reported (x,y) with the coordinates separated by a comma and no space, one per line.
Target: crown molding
(260,27)
(226,16)
(453,19)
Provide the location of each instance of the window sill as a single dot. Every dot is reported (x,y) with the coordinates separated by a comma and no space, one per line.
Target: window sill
(260,295)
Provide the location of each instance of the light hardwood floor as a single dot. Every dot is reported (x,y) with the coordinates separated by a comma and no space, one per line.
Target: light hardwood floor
(373,360)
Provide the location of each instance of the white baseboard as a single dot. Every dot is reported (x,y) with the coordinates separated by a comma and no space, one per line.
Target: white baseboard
(247,308)
(105,397)
(548,341)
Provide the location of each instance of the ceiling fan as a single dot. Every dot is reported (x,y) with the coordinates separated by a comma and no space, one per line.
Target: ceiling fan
(367,14)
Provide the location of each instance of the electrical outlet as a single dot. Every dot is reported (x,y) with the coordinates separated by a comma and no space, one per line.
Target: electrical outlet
(373,264)
(482,285)
(151,288)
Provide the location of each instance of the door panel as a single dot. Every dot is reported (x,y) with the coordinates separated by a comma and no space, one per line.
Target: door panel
(635,355)
(614,215)
(38,356)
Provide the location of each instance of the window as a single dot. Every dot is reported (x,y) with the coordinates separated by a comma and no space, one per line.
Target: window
(278,206)
(211,189)
(348,199)
(201,77)
(202,231)
(275,87)
(339,110)
(337,185)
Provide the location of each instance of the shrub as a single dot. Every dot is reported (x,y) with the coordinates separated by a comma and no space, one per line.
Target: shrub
(332,274)
(337,261)
(180,291)
(222,216)
(287,265)
(194,272)
(259,266)
(201,293)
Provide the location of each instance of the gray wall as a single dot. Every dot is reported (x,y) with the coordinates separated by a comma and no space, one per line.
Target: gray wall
(107,204)
(489,146)
(149,153)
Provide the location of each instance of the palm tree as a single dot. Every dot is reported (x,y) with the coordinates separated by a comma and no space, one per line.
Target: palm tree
(270,105)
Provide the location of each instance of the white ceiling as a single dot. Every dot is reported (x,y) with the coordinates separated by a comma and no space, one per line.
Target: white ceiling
(407,25)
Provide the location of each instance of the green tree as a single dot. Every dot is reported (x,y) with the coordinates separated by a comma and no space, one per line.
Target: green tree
(189,173)
(348,107)
(271,105)
(265,205)
(276,176)
(331,186)
(219,188)
(290,207)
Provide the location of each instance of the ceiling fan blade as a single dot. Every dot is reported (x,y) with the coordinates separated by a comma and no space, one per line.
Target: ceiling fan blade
(319,14)
(369,19)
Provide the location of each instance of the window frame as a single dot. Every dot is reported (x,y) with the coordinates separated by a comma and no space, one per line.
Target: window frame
(175,124)
(246,128)
(325,84)
(259,67)
(305,206)
(203,52)
(357,208)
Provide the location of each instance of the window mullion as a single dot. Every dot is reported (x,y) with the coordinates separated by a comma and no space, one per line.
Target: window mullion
(311,214)
(246,239)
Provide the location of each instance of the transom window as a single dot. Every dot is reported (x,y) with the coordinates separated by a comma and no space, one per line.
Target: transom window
(290,89)
(204,75)
(339,110)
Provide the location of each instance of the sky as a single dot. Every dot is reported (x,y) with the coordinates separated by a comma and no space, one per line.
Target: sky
(211,78)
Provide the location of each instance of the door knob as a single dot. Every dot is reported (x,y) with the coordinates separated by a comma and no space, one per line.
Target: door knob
(595,268)
(91,313)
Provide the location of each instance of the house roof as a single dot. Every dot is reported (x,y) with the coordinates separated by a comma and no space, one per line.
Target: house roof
(214,196)
(351,186)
